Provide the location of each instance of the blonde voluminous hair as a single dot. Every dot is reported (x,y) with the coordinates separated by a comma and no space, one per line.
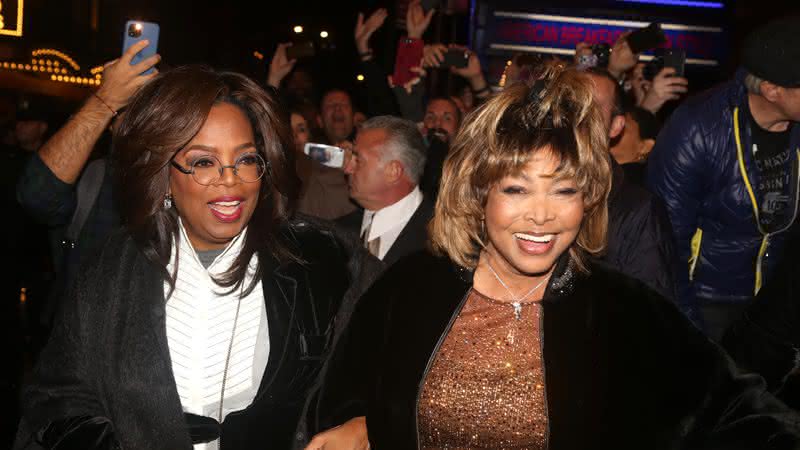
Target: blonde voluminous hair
(554,112)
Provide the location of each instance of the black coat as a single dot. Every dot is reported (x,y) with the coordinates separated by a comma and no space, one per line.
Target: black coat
(766,338)
(624,368)
(640,242)
(413,238)
(106,374)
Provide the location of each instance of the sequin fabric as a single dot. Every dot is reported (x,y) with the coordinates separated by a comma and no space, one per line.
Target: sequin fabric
(485,388)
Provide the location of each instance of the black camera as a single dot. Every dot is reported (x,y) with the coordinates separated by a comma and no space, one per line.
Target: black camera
(665,57)
(603,53)
(135,30)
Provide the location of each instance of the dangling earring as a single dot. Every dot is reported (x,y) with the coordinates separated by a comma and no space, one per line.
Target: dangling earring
(168,201)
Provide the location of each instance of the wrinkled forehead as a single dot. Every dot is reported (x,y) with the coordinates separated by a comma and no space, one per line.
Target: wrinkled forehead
(336,98)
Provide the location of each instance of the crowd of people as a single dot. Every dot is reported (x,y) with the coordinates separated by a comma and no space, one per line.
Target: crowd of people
(218,285)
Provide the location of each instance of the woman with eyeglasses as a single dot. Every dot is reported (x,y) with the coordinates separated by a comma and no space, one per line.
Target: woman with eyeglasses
(205,320)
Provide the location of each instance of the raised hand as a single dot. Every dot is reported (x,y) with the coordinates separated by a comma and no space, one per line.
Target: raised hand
(121,80)
(279,66)
(417,20)
(365,28)
(665,87)
(433,55)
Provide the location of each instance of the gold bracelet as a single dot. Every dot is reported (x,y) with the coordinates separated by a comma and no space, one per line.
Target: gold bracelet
(113,113)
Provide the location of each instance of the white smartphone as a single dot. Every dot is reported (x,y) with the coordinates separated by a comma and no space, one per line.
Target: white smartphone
(327,155)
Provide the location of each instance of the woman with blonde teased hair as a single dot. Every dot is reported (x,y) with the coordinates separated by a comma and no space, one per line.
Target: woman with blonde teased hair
(510,335)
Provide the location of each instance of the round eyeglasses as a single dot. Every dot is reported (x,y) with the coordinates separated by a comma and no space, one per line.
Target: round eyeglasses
(207,170)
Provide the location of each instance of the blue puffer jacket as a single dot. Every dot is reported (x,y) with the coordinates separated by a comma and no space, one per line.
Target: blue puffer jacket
(707,182)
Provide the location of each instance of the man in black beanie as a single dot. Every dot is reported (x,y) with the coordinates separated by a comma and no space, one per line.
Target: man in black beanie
(726,166)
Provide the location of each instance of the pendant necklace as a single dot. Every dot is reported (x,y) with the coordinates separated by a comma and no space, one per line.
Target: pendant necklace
(517,301)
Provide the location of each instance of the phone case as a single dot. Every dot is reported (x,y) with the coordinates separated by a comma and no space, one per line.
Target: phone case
(409,54)
(675,58)
(456,58)
(149,32)
(327,155)
(300,50)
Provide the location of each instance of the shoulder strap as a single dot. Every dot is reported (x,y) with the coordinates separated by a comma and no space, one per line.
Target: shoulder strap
(88,189)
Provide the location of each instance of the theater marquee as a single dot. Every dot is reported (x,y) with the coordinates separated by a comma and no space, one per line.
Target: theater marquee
(11,17)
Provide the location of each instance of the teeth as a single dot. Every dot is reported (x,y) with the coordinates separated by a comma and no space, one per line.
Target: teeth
(236,203)
(538,239)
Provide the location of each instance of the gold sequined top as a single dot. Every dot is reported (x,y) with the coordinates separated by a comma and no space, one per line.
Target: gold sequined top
(485,388)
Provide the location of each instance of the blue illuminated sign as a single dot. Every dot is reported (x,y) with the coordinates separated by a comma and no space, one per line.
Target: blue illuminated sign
(691,3)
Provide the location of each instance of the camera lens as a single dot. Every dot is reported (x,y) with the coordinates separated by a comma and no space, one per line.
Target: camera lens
(135,30)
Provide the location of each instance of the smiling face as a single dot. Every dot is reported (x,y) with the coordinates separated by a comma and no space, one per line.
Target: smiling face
(443,115)
(213,215)
(532,218)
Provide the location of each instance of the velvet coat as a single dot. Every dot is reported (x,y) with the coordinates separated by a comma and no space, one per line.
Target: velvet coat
(105,378)
(623,367)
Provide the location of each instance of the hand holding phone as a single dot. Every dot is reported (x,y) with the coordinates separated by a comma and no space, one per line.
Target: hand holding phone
(409,54)
(327,155)
(456,57)
(137,31)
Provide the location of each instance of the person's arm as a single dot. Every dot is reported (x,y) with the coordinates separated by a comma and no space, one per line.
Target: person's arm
(66,153)
(279,66)
(622,58)
(677,175)
(379,97)
(474,76)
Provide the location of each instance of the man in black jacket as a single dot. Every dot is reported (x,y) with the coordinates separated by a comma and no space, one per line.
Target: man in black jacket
(383,175)
(639,238)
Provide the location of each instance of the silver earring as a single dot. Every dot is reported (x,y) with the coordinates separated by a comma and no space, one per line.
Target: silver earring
(168,202)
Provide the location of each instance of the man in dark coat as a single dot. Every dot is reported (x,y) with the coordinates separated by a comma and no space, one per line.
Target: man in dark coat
(383,174)
(639,237)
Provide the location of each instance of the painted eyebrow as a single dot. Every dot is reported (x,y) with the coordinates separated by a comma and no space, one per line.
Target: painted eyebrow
(213,149)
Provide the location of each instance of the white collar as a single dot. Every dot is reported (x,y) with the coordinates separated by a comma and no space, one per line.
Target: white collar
(396,214)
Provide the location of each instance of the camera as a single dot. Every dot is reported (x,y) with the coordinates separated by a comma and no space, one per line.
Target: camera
(135,29)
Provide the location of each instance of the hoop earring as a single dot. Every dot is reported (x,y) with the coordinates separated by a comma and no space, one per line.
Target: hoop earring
(168,201)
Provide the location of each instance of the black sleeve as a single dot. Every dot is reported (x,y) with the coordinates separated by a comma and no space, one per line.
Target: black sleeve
(61,406)
(46,198)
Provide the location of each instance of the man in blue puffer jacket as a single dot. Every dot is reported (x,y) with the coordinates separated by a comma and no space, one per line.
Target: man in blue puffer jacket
(726,166)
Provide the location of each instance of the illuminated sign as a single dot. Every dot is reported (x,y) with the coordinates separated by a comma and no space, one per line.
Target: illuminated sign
(11,17)
(691,3)
(553,34)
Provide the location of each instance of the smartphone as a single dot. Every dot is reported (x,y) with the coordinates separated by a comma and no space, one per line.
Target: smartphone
(646,38)
(300,50)
(327,155)
(136,31)
(456,57)
(675,58)
(409,54)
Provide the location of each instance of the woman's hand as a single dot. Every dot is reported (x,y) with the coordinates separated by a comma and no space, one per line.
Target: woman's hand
(351,435)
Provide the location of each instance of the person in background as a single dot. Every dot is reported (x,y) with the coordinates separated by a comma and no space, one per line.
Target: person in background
(633,146)
(639,237)
(336,117)
(653,95)
(510,335)
(726,165)
(212,310)
(383,174)
(50,186)
(323,192)
(439,126)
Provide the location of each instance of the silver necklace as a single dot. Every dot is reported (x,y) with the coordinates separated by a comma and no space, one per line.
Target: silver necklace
(517,301)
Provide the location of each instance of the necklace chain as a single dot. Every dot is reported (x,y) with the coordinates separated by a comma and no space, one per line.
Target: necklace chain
(517,301)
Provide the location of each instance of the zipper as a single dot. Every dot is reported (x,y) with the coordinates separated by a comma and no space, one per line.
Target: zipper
(430,362)
(761,252)
(544,377)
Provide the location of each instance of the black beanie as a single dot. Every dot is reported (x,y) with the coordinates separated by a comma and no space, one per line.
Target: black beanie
(772,52)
